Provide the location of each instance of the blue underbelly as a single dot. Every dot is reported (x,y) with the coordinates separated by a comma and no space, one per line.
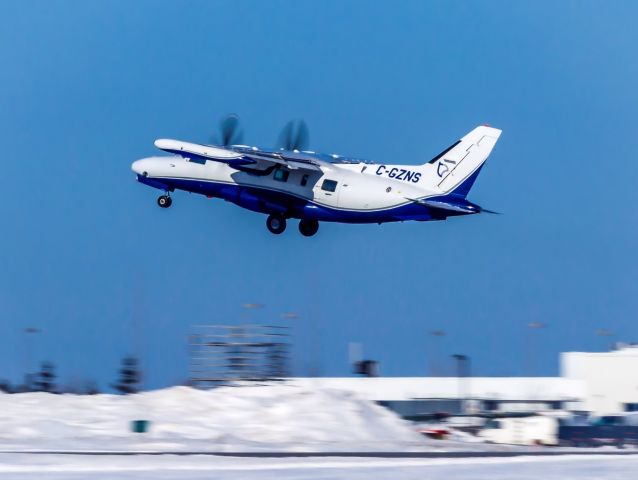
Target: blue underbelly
(269,201)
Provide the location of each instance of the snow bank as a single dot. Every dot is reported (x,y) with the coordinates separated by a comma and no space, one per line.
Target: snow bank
(251,418)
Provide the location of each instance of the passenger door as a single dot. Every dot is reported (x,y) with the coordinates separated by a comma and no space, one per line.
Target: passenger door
(326,191)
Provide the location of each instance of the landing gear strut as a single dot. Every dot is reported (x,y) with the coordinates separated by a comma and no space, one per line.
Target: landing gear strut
(164,201)
(276,223)
(308,227)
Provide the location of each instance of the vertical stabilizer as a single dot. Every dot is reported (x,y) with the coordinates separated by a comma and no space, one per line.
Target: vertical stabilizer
(456,168)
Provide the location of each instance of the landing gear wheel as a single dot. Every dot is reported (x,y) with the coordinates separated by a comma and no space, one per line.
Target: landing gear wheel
(276,223)
(308,227)
(164,201)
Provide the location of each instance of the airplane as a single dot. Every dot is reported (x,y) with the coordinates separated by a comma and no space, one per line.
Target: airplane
(292,182)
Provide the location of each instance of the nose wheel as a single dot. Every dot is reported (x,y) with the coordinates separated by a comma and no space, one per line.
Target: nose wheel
(164,201)
(308,227)
(276,223)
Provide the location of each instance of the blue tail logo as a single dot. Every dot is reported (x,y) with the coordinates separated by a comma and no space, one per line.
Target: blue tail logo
(442,169)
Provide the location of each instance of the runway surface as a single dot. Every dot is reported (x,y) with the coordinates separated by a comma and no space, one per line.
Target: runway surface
(70,466)
(544,452)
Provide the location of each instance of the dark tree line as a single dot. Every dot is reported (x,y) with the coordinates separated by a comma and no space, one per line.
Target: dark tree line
(44,380)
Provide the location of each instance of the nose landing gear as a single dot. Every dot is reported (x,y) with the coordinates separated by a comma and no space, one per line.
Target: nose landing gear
(164,201)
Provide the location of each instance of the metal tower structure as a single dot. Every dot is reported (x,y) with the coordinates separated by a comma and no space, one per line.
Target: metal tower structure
(238,354)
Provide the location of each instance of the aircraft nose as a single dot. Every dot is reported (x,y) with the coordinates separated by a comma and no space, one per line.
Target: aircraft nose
(140,167)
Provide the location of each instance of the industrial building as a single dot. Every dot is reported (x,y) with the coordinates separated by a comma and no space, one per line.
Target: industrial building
(609,379)
(597,382)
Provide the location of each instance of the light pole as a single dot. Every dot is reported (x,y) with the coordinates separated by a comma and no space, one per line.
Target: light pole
(29,332)
(290,316)
(530,351)
(253,306)
(463,375)
(605,334)
(248,307)
(434,371)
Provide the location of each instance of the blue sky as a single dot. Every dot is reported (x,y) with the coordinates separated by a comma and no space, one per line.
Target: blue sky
(88,257)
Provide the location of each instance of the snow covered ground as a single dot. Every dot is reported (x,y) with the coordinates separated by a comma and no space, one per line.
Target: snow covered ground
(249,419)
(57,467)
(255,418)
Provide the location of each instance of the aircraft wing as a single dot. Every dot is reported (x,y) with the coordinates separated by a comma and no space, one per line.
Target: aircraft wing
(290,160)
(237,156)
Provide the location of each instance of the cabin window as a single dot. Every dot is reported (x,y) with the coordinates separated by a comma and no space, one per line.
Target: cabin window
(329,185)
(304,180)
(281,175)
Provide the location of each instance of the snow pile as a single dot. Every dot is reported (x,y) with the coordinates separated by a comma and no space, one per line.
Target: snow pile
(252,418)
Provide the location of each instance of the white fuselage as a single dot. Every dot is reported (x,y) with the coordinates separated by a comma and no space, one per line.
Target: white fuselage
(359,187)
(315,187)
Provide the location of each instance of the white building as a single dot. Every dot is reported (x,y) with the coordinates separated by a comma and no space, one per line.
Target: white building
(413,396)
(609,379)
(602,383)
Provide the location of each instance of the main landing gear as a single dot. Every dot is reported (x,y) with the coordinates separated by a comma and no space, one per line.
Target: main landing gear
(276,223)
(164,201)
(308,227)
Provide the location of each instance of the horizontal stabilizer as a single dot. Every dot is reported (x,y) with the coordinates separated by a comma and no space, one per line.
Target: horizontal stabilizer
(454,206)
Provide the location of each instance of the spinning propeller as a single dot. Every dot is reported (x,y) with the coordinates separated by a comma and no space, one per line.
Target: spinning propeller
(294,136)
(230,132)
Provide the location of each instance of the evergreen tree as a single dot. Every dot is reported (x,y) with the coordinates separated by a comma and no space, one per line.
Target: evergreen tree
(130,376)
(45,378)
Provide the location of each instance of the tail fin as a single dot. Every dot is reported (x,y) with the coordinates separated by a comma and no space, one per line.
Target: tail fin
(455,169)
